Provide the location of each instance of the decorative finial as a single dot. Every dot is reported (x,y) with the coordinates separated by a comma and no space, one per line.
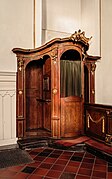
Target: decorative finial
(80,36)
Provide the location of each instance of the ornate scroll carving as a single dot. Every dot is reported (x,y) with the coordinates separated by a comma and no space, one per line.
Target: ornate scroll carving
(54,54)
(93,67)
(80,36)
(108,139)
(20,64)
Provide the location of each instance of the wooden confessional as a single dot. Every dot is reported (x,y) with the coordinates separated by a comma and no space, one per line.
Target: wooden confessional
(53,82)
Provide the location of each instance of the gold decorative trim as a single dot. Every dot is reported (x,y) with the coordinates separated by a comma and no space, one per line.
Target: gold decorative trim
(93,91)
(20,64)
(96,122)
(54,55)
(80,36)
(20,92)
(108,139)
(89,116)
(93,67)
(103,125)
(20,116)
(88,123)
(54,91)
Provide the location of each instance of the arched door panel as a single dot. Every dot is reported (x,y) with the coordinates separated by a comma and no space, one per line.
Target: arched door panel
(70,92)
(38,107)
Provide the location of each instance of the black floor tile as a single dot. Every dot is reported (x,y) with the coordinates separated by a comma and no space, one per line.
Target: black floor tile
(34,153)
(76,158)
(54,155)
(48,150)
(43,154)
(28,169)
(60,164)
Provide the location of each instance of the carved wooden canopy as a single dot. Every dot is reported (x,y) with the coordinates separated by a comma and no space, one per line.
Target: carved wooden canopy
(76,38)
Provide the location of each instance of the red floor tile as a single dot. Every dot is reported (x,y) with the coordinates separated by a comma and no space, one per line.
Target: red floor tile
(66,175)
(65,157)
(88,160)
(53,174)
(68,153)
(33,176)
(80,154)
(8,173)
(83,171)
(16,168)
(40,171)
(100,161)
(50,160)
(87,165)
(45,165)
(71,169)
(38,158)
(34,164)
(109,175)
(20,176)
(58,167)
(82,177)
(60,164)
(97,178)
(100,167)
(73,163)
(99,174)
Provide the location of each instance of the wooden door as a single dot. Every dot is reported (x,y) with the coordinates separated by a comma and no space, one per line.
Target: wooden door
(71,116)
(71,94)
(35,103)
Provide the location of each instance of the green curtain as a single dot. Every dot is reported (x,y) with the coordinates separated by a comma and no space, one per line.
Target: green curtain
(70,78)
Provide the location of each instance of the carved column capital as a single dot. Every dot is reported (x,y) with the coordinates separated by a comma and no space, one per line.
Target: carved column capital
(20,64)
(93,67)
(54,54)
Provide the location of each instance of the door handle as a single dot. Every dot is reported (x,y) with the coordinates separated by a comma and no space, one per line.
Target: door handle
(43,100)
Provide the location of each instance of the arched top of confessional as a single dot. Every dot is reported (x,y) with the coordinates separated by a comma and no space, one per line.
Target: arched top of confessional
(77,40)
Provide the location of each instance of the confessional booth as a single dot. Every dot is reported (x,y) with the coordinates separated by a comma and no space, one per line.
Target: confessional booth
(53,83)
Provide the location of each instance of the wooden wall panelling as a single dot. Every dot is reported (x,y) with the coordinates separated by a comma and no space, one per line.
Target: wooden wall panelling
(47,94)
(109,125)
(108,138)
(20,98)
(92,82)
(20,128)
(90,63)
(55,78)
(98,121)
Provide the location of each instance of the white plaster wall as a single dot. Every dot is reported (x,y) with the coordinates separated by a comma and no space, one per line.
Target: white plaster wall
(38,23)
(90,21)
(60,18)
(104,73)
(16,30)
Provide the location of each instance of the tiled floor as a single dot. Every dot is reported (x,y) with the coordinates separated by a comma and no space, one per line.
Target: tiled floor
(52,163)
